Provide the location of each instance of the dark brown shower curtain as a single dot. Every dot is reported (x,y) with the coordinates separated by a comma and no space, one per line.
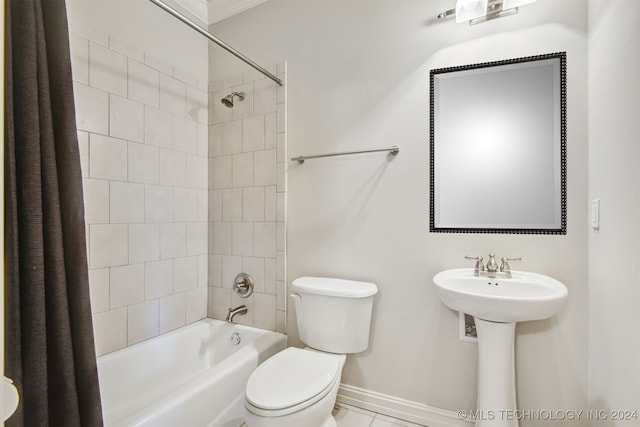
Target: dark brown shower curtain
(49,349)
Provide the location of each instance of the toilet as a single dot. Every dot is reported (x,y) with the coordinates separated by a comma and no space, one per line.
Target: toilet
(298,387)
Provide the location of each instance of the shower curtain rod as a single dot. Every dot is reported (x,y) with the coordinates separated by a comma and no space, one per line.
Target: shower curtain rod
(214,39)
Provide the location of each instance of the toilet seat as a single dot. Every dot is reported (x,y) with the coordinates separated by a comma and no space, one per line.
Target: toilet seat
(291,381)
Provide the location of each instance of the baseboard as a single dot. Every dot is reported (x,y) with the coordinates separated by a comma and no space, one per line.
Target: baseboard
(407,410)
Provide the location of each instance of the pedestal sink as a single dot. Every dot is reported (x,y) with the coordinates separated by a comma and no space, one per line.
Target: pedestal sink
(497,304)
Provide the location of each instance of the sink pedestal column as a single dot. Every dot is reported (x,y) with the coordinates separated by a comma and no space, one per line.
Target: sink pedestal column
(496,374)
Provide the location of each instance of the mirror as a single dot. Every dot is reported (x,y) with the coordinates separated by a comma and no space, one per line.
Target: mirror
(498,147)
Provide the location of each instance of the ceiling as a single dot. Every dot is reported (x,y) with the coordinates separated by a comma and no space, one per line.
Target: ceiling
(208,12)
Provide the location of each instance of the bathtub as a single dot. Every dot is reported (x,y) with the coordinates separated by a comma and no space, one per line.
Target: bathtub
(193,376)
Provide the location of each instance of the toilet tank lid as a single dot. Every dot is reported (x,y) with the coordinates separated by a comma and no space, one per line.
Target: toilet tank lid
(334,287)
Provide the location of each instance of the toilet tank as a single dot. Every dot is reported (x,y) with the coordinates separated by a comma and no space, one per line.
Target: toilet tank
(333,315)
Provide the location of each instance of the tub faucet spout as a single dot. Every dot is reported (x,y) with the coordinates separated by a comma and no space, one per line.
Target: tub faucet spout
(238,311)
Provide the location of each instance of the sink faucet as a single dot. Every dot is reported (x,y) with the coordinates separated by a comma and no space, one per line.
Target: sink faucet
(492,266)
(238,311)
(504,265)
(479,264)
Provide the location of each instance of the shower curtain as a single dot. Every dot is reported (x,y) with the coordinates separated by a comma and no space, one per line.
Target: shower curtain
(49,348)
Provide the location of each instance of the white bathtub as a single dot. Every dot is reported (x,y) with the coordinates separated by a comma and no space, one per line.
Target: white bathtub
(193,376)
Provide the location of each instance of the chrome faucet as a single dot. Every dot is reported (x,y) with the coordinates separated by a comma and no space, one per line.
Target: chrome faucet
(238,311)
(505,267)
(479,267)
(492,266)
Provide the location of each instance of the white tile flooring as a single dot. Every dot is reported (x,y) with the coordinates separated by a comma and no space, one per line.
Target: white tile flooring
(350,416)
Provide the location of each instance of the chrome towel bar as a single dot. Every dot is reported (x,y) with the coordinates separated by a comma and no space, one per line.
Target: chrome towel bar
(392,150)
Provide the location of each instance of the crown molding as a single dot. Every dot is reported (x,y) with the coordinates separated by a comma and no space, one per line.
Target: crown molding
(223,9)
(197,9)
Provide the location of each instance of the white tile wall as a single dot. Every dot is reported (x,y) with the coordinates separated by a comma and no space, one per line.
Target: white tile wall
(158,279)
(215,140)
(220,169)
(231,266)
(185,273)
(242,233)
(172,168)
(107,157)
(185,204)
(110,330)
(158,203)
(126,285)
(142,321)
(270,132)
(126,202)
(96,201)
(184,134)
(253,203)
(196,304)
(107,69)
(242,170)
(169,229)
(99,288)
(158,129)
(126,118)
(108,245)
(144,242)
(253,134)
(172,312)
(126,49)
(83,145)
(173,240)
(247,158)
(232,137)
(144,83)
(144,163)
(264,167)
(143,140)
(173,95)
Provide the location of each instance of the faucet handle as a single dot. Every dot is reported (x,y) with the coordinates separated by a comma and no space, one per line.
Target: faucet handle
(505,267)
(479,265)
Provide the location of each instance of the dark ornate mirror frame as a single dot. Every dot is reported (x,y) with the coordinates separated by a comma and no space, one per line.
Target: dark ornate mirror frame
(562,56)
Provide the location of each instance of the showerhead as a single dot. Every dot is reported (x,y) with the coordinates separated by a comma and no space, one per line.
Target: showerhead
(227,101)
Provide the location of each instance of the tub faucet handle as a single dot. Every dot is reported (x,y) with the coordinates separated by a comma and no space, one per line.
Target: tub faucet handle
(243,285)
(479,265)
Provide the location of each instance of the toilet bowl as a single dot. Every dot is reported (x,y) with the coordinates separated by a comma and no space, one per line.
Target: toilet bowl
(298,387)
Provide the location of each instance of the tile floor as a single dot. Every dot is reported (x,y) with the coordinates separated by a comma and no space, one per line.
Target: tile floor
(350,416)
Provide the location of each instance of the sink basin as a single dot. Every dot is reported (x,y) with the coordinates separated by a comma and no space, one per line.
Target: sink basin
(497,304)
(525,296)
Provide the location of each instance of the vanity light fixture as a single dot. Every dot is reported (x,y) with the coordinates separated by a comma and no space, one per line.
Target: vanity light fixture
(467,10)
(478,11)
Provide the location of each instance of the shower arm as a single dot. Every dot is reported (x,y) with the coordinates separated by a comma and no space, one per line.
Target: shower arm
(216,40)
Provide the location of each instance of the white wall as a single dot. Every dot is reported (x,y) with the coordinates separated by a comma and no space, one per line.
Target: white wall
(358,75)
(614,178)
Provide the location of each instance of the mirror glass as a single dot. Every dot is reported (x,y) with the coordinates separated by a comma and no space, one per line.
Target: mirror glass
(498,147)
